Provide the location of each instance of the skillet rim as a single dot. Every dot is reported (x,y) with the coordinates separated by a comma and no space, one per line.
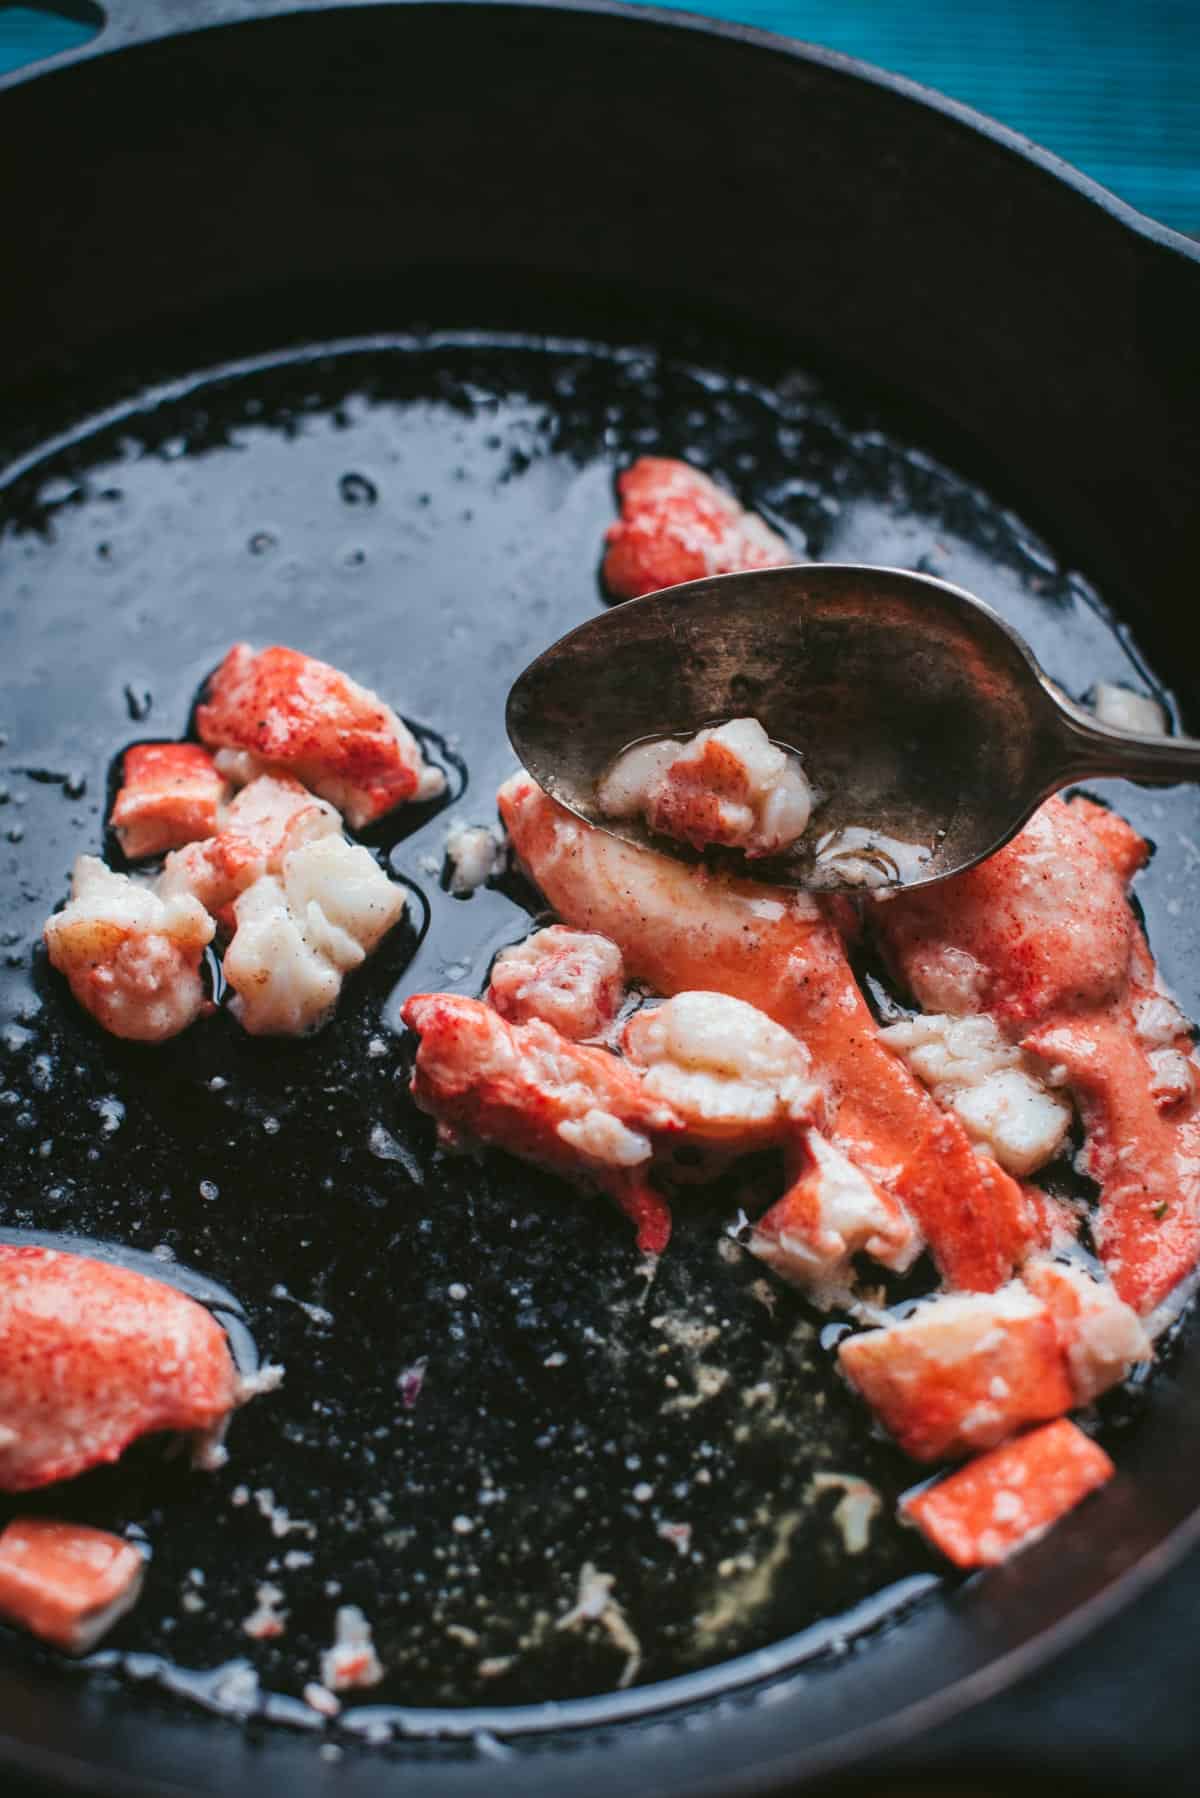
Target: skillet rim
(127,24)
(127,30)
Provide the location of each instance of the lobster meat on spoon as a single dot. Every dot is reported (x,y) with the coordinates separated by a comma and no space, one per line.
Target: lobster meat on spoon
(93,1356)
(682,928)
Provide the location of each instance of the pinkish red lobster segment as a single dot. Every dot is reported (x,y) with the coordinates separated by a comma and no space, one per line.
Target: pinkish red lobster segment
(1004,1500)
(170,794)
(527,1089)
(93,1356)
(66,1583)
(680,929)
(1042,940)
(277,710)
(676,525)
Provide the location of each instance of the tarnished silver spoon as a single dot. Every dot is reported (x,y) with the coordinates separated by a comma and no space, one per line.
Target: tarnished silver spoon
(926,726)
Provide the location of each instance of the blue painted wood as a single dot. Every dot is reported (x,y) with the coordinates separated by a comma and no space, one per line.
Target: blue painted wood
(1110,85)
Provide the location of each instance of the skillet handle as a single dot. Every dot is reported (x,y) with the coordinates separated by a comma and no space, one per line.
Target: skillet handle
(1089,750)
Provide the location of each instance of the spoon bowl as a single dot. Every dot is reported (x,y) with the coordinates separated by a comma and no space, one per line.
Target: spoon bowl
(926,726)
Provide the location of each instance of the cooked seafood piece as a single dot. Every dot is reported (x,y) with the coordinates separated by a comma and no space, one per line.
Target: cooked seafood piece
(1142,1140)
(676,525)
(728,786)
(571,979)
(269,818)
(523,1087)
(732,1075)
(296,937)
(1122,709)
(1042,938)
(1038,930)
(959,1374)
(66,1583)
(994,1090)
(170,794)
(829,1214)
(683,928)
(475,854)
(280,710)
(1001,1502)
(1101,1335)
(131,958)
(93,1356)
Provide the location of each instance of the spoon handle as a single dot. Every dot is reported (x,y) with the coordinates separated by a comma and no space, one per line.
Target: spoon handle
(1086,749)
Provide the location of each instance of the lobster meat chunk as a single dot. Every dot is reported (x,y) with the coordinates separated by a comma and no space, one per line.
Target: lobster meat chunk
(576,1110)
(830,1213)
(676,525)
(280,710)
(733,1076)
(131,957)
(992,1087)
(960,1374)
(682,928)
(170,794)
(1101,1336)
(1142,1144)
(729,786)
(66,1583)
(93,1356)
(572,980)
(296,937)
(1039,930)
(269,818)
(999,1503)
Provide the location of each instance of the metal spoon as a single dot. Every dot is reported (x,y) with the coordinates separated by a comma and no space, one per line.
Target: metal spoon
(925,724)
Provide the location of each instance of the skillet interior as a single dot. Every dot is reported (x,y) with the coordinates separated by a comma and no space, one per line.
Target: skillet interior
(158,606)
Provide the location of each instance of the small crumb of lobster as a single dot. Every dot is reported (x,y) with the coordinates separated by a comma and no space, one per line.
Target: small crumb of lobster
(1123,709)
(475,854)
(170,794)
(1000,1503)
(831,1213)
(1102,1337)
(352,1661)
(574,980)
(959,1374)
(94,1355)
(728,786)
(279,709)
(65,1583)
(131,958)
(676,525)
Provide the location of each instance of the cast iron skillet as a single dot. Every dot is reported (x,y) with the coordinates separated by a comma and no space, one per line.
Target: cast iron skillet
(824,271)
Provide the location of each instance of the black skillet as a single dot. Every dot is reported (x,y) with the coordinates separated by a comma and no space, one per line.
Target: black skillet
(332,326)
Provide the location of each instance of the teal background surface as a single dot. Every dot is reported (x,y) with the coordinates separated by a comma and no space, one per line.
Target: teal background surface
(1111,85)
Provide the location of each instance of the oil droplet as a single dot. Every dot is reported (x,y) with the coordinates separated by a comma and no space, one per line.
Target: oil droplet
(357,490)
(262,541)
